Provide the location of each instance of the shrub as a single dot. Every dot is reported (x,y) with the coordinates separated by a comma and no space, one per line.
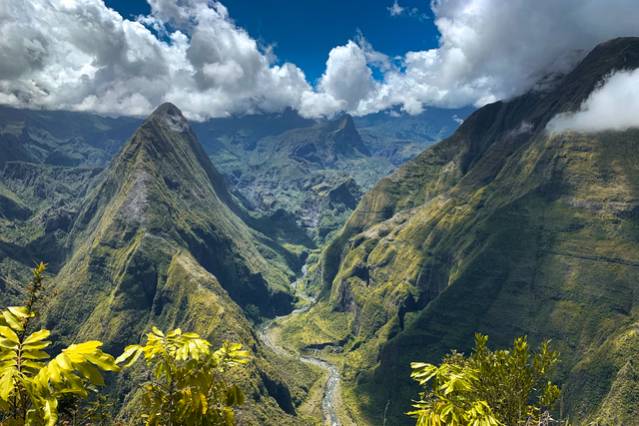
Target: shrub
(188,382)
(31,387)
(488,388)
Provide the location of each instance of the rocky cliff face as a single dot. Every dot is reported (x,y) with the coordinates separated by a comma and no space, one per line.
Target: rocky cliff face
(504,229)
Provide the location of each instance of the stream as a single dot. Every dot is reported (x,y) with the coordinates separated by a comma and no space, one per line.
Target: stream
(329,399)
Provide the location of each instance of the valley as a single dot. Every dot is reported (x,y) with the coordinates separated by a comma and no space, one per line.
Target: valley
(505,229)
(267,334)
(159,235)
(351,248)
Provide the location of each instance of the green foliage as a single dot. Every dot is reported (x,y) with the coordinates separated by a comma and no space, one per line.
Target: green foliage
(453,397)
(96,411)
(30,387)
(488,388)
(188,382)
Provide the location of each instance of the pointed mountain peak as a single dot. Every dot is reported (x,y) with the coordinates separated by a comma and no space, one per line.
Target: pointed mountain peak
(345,123)
(167,108)
(170,116)
(346,136)
(165,130)
(162,157)
(168,144)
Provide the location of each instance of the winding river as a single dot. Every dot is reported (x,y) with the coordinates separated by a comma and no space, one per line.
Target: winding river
(329,399)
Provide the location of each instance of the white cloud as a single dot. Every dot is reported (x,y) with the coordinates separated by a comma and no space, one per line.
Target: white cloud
(492,49)
(395,9)
(80,55)
(613,106)
(348,79)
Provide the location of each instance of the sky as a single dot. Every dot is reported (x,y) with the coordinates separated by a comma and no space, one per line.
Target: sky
(304,32)
(322,58)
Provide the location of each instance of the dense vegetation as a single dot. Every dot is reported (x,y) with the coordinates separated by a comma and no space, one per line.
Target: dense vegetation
(30,389)
(188,383)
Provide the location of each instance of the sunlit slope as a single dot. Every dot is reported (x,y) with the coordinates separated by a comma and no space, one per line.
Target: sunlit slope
(504,229)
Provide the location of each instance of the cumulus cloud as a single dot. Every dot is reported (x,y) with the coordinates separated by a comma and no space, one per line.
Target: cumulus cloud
(348,78)
(81,55)
(613,106)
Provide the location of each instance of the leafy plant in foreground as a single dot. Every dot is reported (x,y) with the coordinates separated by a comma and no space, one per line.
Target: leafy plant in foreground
(31,387)
(488,388)
(188,382)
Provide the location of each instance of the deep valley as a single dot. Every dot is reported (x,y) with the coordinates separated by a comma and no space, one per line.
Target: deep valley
(238,242)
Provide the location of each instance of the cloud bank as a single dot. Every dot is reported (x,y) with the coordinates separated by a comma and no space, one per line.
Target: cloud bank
(613,106)
(81,55)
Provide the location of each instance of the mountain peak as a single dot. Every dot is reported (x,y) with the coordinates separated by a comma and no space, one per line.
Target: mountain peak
(170,116)
(167,108)
(607,57)
(616,44)
(346,136)
(345,123)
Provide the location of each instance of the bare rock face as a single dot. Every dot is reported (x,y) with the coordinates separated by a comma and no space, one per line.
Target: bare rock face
(172,118)
(137,198)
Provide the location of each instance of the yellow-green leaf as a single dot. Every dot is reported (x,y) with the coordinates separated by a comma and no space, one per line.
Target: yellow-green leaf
(9,334)
(36,337)
(14,322)
(130,355)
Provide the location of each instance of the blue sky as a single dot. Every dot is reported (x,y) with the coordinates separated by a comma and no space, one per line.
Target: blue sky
(304,31)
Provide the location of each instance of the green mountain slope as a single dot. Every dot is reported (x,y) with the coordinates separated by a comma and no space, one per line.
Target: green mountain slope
(157,242)
(502,229)
(37,205)
(48,161)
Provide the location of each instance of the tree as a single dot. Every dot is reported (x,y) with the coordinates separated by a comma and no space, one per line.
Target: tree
(31,387)
(187,380)
(504,387)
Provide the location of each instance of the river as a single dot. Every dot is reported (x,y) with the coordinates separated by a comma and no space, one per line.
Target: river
(331,388)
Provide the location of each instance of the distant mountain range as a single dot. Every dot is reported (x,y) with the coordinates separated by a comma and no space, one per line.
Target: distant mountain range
(257,154)
(315,171)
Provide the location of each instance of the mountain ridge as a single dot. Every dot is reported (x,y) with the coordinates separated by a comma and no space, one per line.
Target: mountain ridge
(154,244)
(503,229)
